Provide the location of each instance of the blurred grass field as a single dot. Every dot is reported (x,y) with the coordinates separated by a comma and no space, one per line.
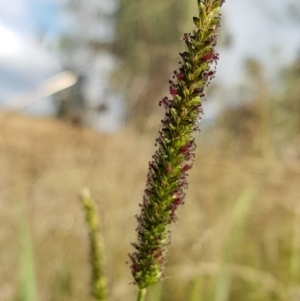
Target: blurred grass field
(237,238)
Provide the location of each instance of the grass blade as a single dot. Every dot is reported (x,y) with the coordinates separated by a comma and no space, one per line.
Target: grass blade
(239,218)
(28,287)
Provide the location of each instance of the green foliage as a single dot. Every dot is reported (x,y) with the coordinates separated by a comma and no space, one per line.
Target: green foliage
(147,40)
(146,25)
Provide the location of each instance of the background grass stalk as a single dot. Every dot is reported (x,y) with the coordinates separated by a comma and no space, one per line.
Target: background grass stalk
(98,279)
(239,219)
(28,287)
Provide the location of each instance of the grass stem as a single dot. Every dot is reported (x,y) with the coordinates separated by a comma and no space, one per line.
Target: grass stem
(142,294)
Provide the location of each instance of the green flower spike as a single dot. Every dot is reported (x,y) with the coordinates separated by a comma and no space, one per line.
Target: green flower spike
(167,176)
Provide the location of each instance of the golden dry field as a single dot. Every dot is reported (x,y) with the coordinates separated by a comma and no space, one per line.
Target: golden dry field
(237,237)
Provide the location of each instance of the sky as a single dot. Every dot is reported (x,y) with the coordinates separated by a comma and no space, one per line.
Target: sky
(265,30)
(24,64)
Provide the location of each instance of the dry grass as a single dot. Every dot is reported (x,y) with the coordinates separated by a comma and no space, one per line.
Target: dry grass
(46,162)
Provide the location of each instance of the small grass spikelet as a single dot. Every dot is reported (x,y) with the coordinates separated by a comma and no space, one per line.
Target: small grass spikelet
(98,279)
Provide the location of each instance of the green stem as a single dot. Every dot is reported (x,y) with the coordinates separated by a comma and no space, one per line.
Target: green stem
(142,294)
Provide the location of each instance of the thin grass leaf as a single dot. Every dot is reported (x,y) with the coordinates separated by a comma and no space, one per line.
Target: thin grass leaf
(28,287)
(239,219)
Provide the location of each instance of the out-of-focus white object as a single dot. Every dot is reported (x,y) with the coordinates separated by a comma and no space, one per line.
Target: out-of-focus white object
(10,42)
(46,88)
